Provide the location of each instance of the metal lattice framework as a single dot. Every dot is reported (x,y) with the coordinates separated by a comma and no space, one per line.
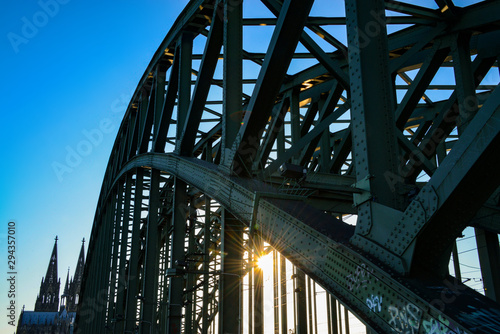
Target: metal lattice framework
(390,112)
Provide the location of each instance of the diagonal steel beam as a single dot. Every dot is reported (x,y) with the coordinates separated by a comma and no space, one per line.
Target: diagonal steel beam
(286,35)
(463,182)
(332,65)
(202,87)
(419,84)
(163,124)
(326,110)
(303,141)
(445,121)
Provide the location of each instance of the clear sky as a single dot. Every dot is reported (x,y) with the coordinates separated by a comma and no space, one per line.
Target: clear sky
(68,68)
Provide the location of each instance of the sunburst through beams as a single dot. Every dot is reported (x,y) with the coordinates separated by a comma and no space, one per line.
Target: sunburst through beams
(265,262)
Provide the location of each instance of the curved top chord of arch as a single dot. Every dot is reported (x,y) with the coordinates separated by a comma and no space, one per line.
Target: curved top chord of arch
(382,109)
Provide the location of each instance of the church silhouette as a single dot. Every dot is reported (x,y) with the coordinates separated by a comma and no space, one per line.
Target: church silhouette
(49,315)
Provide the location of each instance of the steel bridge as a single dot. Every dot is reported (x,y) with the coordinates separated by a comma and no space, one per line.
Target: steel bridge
(260,127)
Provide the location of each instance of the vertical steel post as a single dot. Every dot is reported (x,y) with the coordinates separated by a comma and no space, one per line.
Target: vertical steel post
(164,298)
(233,75)
(373,131)
(339,317)
(105,261)
(191,277)
(456,262)
(375,149)
(133,264)
(251,260)
(284,324)
(258,294)
(276,295)
(464,78)
(206,266)
(150,278)
(346,317)
(184,95)
(331,313)
(315,308)
(295,120)
(176,286)
(111,321)
(309,296)
(300,301)
(230,280)
(122,284)
(489,260)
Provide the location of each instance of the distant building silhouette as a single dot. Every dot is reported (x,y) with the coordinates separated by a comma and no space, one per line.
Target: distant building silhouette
(48,316)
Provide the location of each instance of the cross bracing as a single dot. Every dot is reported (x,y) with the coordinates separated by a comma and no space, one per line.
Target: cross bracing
(264,121)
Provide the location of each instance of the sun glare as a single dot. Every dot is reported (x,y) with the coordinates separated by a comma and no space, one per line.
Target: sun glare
(265,262)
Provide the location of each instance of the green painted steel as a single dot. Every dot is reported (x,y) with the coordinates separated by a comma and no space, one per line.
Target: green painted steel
(344,114)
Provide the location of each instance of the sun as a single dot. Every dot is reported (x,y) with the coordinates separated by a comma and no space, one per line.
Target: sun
(265,262)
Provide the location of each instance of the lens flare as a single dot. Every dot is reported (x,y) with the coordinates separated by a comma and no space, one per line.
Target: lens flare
(265,262)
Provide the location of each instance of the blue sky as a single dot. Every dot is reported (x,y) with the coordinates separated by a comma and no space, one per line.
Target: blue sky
(68,70)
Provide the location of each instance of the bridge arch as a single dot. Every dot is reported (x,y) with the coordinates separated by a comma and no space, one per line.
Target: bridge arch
(285,151)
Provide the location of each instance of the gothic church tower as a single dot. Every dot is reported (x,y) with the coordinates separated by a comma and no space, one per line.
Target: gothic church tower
(73,294)
(48,297)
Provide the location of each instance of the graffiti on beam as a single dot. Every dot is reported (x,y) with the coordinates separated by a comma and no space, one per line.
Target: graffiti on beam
(374,303)
(441,326)
(406,319)
(361,278)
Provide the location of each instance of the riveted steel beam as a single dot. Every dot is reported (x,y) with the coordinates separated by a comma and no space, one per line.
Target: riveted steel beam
(135,248)
(283,42)
(230,289)
(150,273)
(316,243)
(445,203)
(176,284)
(233,74)
(214,43)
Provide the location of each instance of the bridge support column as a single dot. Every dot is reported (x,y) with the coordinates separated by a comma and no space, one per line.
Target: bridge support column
(258,293)
(116,231)
(300,301)
(150,277)
(206,266)
(489,259)
(190,297)
(133,265)
(284,315)
(331,311)
(122,284)
(176,286)
(165,258)
(375,149)
(276,294)
(105,259)
(230,280)
(233,74)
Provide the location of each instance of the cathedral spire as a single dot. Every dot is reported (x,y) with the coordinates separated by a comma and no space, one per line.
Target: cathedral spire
(76,282)
(48,297)
(66,287)
(65,294)
(80,264)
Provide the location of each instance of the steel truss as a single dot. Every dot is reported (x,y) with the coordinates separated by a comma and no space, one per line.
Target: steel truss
(224,147)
